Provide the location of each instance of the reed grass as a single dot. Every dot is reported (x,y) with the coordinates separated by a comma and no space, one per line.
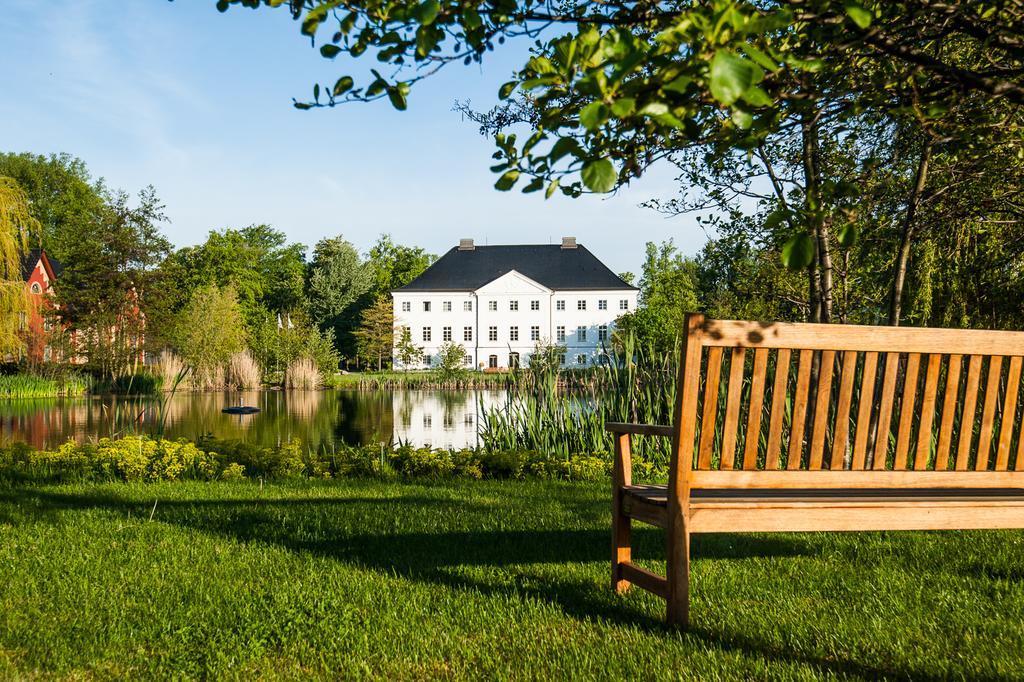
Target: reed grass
(243,371)
(17,386)
(303,374)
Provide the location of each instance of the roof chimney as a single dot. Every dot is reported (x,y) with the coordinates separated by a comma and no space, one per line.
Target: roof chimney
(466,245)
(568,242)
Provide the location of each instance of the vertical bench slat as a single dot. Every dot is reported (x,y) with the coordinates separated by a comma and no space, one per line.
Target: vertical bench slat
(841,436)
(796,433)
(907,411)
(779,388)
(622,475)
(892,364)
(924,430)
(1009,414)
(963,451)
(710,417)
(753,438)
(948,413)
(821,403)
(988,413)
(865,403)
(732,408)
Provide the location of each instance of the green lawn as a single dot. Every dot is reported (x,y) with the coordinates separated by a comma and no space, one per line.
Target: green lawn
(471,579)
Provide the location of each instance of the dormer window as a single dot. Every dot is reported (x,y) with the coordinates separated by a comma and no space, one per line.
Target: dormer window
(36,289)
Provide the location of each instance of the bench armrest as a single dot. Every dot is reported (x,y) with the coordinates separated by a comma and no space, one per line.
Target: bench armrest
(640,429)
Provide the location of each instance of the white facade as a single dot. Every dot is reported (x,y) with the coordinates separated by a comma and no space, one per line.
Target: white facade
(503,321)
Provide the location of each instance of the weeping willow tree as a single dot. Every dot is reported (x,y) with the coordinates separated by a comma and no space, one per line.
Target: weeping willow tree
(15,224)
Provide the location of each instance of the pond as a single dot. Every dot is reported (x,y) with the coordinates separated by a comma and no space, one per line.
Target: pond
(448,419)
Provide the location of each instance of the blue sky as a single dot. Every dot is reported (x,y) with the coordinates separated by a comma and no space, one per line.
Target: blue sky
(198,104)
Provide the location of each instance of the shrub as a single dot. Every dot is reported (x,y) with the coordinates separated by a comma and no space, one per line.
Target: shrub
(243,371)
(302,373)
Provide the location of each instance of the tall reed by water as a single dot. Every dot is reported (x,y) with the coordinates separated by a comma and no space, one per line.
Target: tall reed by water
(31,386)
(243,371)
(302,373)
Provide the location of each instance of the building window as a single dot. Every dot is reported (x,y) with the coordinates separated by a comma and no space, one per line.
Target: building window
(492,362)
(467,306)
(560,334)
(513,360)
(426,306)
(534,305)
(602,333)
(581,304)
(467,333)
(624,304)
(492,333)
(426,333)
(446,333)
(513,306)
(581,359)
(467,360)
(602,304)
(428,421)
(446,306)
(513,333)
(36,289)
(406,306)
(534,333)
(559,305)
(561,358)
(581,333)
(492,305)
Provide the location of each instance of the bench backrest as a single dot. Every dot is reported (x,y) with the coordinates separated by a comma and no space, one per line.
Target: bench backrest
(823,405)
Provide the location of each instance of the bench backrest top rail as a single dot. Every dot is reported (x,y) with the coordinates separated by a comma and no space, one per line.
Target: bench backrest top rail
(788,397)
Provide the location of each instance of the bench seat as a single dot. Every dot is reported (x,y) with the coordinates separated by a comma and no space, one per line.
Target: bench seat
(765,510)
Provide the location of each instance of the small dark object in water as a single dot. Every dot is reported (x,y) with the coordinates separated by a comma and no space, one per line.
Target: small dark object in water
(241,409)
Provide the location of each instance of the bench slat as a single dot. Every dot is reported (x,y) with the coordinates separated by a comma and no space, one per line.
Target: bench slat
(892,365)
(856,479)
(924,431)
(710,417)
(757,379)
(866,402)
(1009,415)
(841,436)
(963,451)
(821,404)
(942,450)
(988,413)
(907,411)
(779,389)
(640,429)
(799,423)
(732,408)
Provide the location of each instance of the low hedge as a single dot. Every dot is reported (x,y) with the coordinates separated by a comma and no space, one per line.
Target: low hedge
(141,458)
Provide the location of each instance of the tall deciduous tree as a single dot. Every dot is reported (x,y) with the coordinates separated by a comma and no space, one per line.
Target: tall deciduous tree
(376,333)
(209,331)
(338,281)
(15,223)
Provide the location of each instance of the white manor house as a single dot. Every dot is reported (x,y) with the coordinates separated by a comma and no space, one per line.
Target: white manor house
(498,302)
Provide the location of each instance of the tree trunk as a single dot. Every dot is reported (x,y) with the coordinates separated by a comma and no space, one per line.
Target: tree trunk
(820,272)
(899,275)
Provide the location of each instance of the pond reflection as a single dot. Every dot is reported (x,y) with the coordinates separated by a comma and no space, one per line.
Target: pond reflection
(317,418)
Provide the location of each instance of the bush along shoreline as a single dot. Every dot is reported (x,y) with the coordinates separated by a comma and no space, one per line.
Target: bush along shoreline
(142,458)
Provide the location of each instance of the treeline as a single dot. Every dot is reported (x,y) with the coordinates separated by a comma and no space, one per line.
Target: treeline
(245,300)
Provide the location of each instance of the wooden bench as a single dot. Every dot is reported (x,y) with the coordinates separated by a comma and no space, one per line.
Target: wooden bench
(813,427)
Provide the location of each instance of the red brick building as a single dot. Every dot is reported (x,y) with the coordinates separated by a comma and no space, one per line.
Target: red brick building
(40,273)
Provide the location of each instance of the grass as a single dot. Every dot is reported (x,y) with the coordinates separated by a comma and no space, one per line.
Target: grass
(18,386)
(373,381)
(471,580)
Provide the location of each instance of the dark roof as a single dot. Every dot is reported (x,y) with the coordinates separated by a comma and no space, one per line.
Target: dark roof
(32,256)
(548,264)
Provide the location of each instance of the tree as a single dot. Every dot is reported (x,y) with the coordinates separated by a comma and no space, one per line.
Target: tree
(451,363)
(407,353)
(210,331)
(15,224)
(376,333)
(338,280)
(393,265)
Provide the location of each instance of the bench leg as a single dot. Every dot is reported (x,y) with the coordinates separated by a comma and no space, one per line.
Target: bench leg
(622,475)
(621,545)
(678,573)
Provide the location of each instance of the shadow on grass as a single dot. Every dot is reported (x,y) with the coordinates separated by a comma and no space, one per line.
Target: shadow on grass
(435,556)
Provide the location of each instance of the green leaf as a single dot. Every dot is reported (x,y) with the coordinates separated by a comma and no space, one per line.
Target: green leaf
(624,107)
(599,175)
(798,251)
(593,115)
(534,185)
(506,90)
(397,98)
(856,11)
(756,97)
(329,51)
(731,76)
(426,12)
(678,85)
(742,119)
(847,235)
(507,181)
(551,189)
(343,85)
(564,145)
